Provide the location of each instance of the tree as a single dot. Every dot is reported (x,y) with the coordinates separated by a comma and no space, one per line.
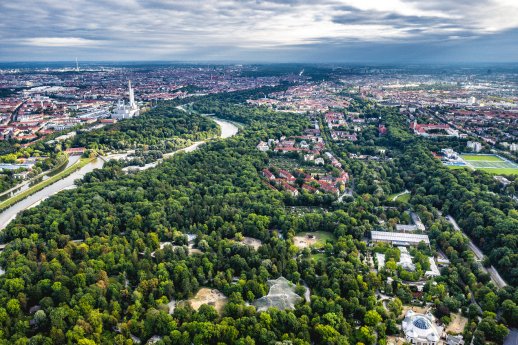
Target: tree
(372,318)
(40,317)
(13,307)
(395,306)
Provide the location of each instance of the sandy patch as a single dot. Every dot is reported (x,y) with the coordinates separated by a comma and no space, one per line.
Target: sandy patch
(172,306)
(305,241)
(252,242)
(457,324)
(208,296)
(420,310)
(393,340)
(193,251)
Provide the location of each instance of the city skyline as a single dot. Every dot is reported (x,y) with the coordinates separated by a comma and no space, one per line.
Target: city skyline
(261,31)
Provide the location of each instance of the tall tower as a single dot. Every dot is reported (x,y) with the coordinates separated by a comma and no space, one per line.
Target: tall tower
(131,96)
(77,66)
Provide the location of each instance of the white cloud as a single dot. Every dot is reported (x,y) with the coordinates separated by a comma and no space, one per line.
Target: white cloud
(60,42)
(173,28)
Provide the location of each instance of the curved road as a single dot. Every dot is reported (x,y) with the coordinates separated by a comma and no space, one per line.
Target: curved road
(227,130)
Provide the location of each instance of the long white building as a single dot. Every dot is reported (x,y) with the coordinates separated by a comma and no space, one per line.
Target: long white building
(399,238)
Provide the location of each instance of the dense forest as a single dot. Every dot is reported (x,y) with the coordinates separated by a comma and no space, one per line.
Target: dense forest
(87,266)
(165,128)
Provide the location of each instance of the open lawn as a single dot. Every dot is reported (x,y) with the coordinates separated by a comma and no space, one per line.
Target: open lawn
(403,196)
(501,171)
(486,158)
(315,239)
(318,257)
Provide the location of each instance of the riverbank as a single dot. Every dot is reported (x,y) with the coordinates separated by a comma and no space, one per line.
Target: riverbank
(228,129)
(10,212)
(39,186)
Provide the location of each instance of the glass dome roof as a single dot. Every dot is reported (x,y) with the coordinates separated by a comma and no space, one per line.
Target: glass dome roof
(421,323)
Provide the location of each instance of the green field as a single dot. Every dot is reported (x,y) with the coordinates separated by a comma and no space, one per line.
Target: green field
(320,238)
(405,197)
(493,164)
(486,158)
(318,256)
(501,171)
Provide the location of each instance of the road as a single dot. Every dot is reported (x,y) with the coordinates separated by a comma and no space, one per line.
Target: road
(227,130)
(493,273)
(512,338)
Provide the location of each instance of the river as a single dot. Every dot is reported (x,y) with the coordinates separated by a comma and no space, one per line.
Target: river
(228,129)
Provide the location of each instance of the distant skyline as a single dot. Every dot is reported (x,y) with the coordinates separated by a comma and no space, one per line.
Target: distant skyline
(368,31)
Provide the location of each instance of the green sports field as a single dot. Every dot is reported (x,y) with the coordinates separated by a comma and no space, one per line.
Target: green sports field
(485,158)
(493,164)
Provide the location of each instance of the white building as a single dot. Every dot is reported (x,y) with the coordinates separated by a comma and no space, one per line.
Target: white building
(450,154)
(126,111)
(405,259)
(262,146)
(475,146)
(319,161)
(406,227)
(399,238)
(420,329)
(434,270)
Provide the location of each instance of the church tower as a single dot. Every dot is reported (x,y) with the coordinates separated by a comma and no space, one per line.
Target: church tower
(131,96)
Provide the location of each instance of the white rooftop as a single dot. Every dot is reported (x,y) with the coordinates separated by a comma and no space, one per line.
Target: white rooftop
(400,237)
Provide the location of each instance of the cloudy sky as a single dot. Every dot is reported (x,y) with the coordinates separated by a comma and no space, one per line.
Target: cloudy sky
(260,31)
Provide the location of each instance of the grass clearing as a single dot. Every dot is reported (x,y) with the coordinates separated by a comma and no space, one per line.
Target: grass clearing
(318,256)
(316,239)
(37,187)
(403,196)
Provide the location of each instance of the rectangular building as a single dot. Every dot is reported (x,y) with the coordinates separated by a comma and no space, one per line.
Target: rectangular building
(399,238)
